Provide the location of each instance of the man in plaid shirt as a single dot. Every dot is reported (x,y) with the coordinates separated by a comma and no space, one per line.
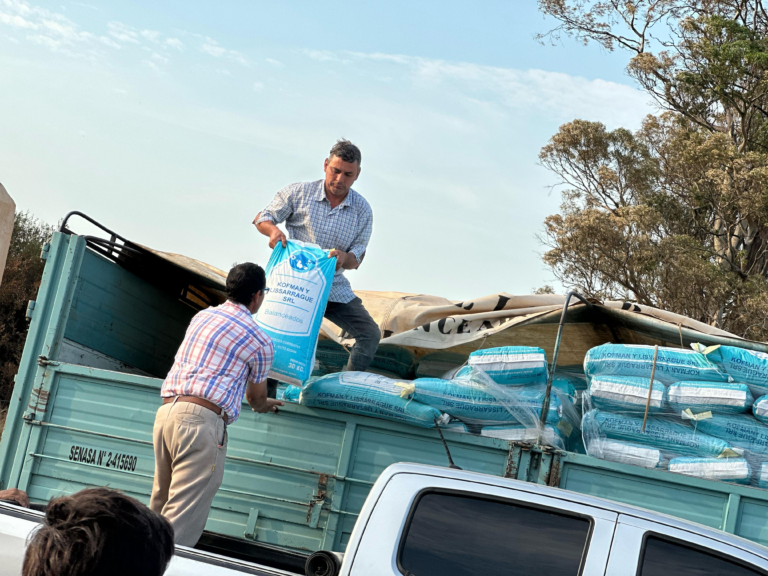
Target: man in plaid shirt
(330,214)
(224,356)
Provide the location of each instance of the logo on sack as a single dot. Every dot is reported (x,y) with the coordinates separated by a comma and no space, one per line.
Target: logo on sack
(302,261)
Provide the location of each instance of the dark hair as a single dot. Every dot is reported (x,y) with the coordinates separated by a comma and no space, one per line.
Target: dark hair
(99,531)
(243,281)
(347,151)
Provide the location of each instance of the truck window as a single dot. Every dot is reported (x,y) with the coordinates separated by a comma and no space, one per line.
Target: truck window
(663,557)
(453,534)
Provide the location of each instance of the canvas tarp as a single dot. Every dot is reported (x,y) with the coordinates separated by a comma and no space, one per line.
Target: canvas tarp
(424,323)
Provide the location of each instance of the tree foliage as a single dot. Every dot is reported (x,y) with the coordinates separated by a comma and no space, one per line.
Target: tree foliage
(21,280)
(676,214)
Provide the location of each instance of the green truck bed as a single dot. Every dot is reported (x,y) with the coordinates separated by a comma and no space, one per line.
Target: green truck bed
(103,333)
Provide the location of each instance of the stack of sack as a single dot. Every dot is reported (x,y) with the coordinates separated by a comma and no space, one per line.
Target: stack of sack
(499,394)
(707,416)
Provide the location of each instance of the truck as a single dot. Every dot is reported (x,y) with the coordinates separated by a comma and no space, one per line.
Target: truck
(104,328)
(427,520)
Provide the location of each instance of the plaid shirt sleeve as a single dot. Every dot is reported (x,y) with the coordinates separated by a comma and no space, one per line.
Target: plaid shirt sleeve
(261,363)
(365,229)
(280,208)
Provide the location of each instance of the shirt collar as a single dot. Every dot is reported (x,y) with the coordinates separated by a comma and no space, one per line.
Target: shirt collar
(320,196)
(237,307)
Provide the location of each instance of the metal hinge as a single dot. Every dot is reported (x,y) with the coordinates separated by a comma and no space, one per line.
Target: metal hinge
(250,526)
(44,252)
(30,310)
(43,362)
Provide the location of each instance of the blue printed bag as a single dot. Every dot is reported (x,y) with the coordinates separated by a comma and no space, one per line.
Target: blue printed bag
(672,364)
(367,394)
(299,279)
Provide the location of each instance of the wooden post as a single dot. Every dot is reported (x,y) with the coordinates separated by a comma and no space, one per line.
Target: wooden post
(650,386)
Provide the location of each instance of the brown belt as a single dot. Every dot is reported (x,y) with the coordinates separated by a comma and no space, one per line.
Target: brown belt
(199,401)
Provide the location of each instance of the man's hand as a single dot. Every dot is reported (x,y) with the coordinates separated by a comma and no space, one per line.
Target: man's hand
(16,495)
(276,236)
(270,406)
(341,257)
(269,229)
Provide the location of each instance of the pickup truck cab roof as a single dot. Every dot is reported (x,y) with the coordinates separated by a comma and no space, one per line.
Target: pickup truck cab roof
(567,496)
(610,538)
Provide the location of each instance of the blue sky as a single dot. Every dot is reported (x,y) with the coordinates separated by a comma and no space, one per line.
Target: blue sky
(174,123)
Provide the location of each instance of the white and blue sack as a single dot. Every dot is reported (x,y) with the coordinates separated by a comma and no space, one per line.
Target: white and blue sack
(672,364)
(762,475)
(717,397)
(742,365)
(511,365)
(626,394)
(367,394)
(299,279)
(290,393)
(669,435)
(475,402)
(760,409)
(724,469)
(625,453)
(740,430)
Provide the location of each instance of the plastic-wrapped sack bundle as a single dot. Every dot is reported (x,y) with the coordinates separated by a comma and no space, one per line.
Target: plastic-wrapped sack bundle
(672,364)
(626,394)
(762,476)
(299,279)
(625,453)
(474,401)
(550,435)
(760,409)
(367,394)
(666,434)
(511,365)
(436,364)
(719,397)
(742,365)
(565,386)
(741,430)
(724,469)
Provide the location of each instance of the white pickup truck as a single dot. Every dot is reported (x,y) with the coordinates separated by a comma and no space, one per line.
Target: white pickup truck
(429,521)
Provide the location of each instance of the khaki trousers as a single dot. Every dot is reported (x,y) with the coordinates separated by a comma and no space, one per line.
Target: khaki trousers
(190,446)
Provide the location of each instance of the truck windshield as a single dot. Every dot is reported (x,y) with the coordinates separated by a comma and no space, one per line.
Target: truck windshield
(452,534)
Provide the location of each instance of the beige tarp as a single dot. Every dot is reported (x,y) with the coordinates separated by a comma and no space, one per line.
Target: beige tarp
(7,216)
(425,323)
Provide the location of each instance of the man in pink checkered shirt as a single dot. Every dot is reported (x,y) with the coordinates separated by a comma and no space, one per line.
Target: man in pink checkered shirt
(224,357)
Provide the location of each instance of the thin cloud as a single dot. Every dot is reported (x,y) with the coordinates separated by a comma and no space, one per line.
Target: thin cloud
(174,43)
(500,90)
(213,48)
(123,33)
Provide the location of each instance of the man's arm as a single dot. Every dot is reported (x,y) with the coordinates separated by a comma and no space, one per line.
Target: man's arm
(267,228)
(256,396)
(277,211)
(346,260)
(15,495)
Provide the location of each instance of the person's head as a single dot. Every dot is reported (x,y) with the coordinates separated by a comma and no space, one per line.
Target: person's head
(342,167)
(245,285)
(99,531)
